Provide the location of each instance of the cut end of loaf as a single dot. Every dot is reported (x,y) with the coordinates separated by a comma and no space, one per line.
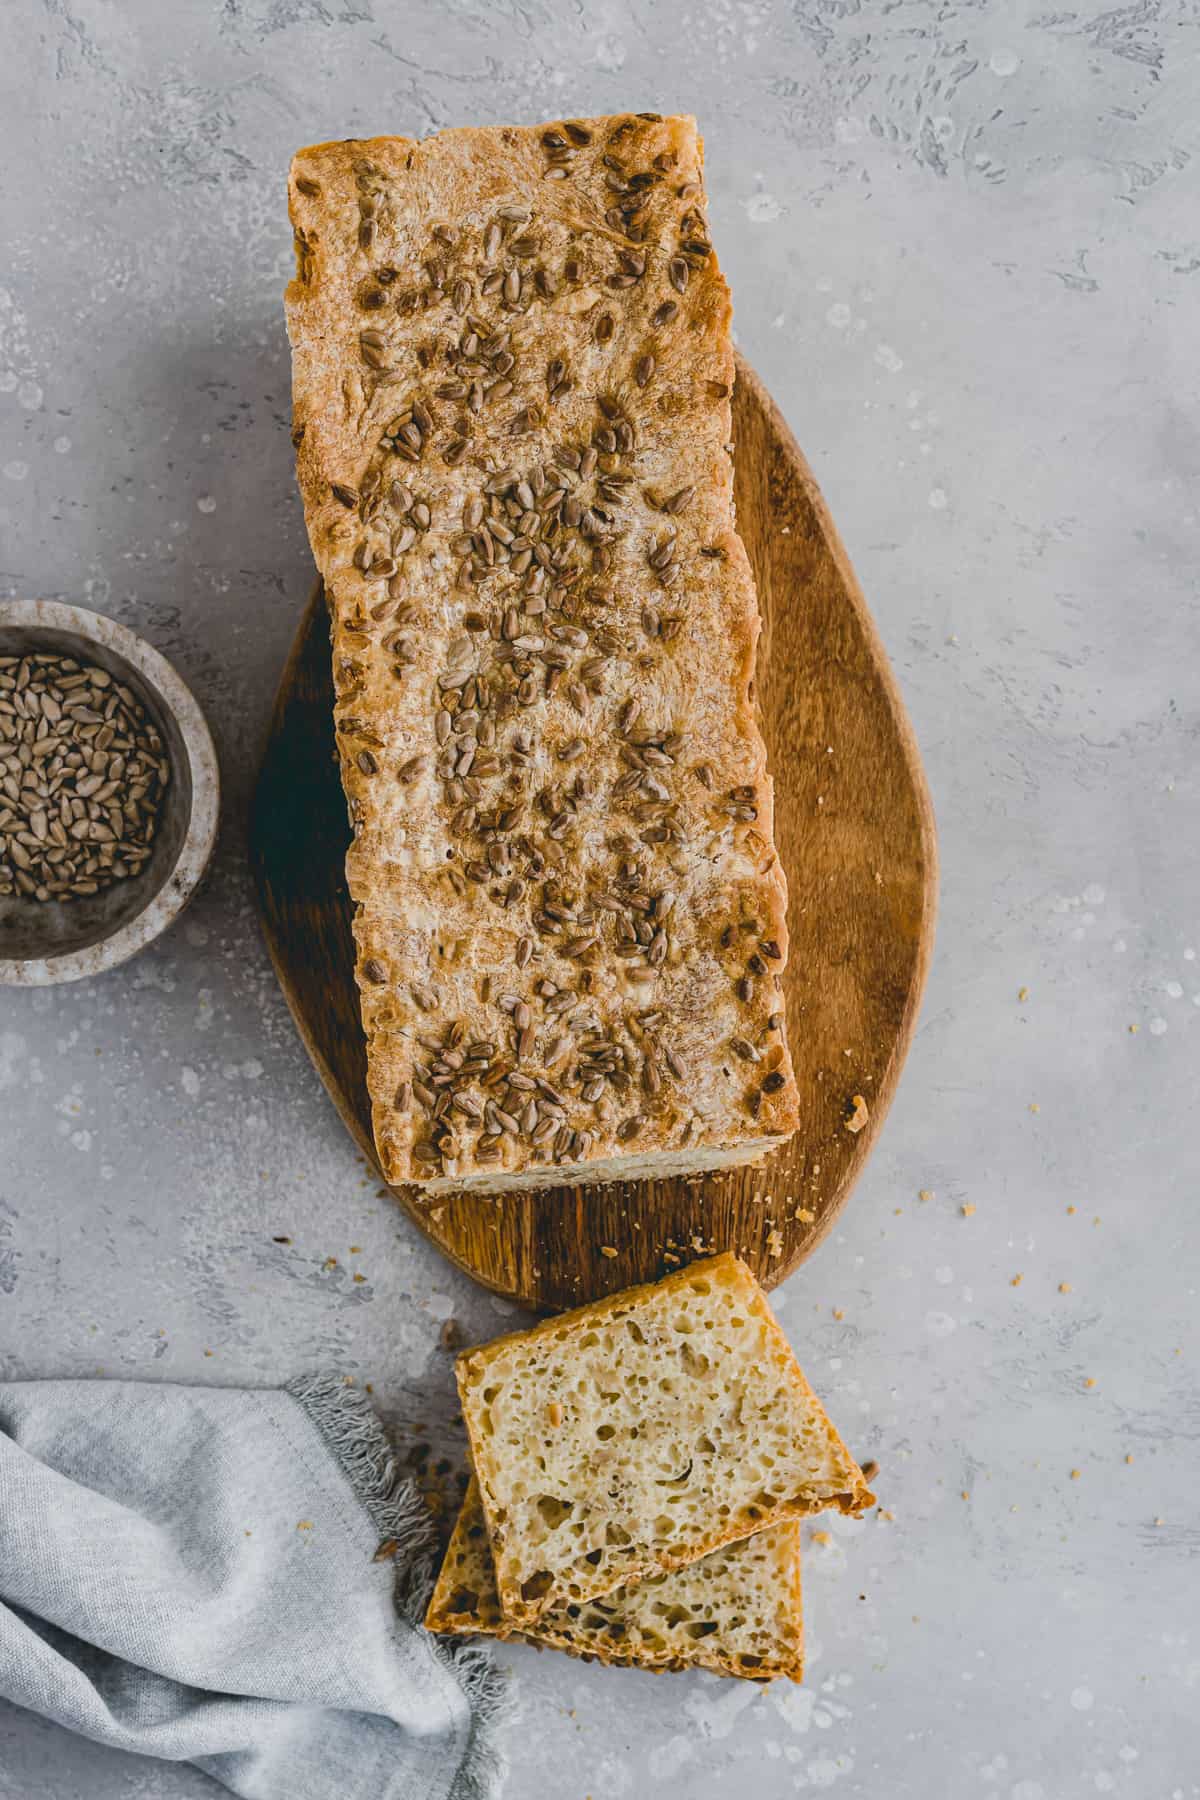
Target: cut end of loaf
(661,1166)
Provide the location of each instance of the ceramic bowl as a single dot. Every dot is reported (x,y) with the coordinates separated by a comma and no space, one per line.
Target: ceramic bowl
(42,942)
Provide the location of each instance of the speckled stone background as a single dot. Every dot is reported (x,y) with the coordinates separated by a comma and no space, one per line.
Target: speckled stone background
(964,243)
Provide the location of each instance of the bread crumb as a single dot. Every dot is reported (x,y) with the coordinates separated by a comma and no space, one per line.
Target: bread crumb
(821,1537)
(1129,1458)
(859,1113)
(966,1494)
(359,1277)
(838,1313)
(1090,1382)
(889,1516)
(451,1336)
(1023,993)
(967,1209)
(870,1469)
(607,1250)
(1133,1030)
(1064,1287)
(1160,1521)
(1034,1107)
(304,1525)
(775,1243)
(925,1194)
(330,1262)
(1016,1281)
(356,1249)
(1075,1474)
(1071,1209)
(805,1217)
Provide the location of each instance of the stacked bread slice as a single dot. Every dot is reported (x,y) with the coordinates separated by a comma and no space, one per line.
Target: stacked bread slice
(736,1611)
(641,1465)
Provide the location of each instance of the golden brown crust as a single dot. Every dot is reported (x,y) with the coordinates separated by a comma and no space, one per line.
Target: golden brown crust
(810,1455)
(512,369)
(738,1612)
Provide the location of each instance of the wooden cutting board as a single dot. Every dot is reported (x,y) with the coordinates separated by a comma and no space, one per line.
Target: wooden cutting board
(854,828)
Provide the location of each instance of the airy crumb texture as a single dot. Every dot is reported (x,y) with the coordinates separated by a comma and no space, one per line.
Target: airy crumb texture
(642,1432)
(512,378)
(736,1611)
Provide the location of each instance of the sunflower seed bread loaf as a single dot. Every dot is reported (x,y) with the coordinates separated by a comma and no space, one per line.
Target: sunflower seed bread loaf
(512,376)
(642,1432)
(737,1611)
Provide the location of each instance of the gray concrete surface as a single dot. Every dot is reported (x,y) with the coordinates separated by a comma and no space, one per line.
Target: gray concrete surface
(964,243)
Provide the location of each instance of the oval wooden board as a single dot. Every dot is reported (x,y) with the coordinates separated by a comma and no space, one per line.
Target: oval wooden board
(855,831)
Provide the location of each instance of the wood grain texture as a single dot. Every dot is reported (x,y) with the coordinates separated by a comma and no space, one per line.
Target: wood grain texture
(854,828)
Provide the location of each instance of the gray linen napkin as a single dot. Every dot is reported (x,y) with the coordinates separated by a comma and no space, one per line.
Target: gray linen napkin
(188,1573)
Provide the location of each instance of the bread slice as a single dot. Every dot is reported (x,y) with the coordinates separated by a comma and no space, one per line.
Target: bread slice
(642,1432)
(512,376)
(736,1611)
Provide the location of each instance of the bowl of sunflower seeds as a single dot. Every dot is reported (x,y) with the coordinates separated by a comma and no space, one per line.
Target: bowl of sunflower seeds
(109,793)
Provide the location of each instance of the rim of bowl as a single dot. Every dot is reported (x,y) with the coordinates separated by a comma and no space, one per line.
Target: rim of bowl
(181,880)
